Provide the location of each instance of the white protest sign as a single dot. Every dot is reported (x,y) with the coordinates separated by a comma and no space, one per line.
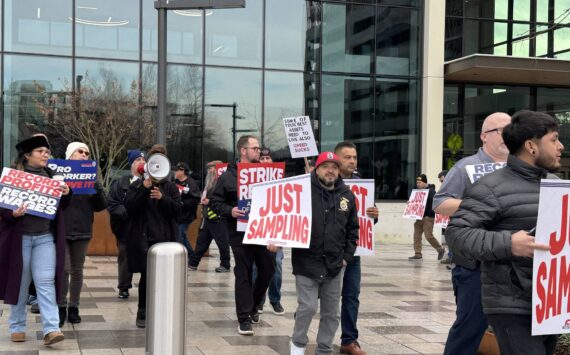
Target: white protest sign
(416,204)
(441,221)
(551,272)
(281,213)
(300,137)
(477,171)
(363,190)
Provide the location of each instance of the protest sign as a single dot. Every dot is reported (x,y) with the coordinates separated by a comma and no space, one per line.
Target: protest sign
(363,190)
(551,271)
(281,213)
(477,171)
(221,168)
(40,194)
(79,175)
(300,137)
(441,221)
(252,173)
(416,204)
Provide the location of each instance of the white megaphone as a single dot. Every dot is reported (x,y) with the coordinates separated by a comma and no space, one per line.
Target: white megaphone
(157,167)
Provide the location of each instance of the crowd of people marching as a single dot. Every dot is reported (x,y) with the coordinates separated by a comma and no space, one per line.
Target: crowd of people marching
(41,260)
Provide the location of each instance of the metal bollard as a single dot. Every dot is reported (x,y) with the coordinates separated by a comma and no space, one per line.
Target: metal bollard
(166,300)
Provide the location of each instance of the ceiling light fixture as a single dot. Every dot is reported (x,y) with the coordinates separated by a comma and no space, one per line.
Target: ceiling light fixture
(192,13)
(107,23)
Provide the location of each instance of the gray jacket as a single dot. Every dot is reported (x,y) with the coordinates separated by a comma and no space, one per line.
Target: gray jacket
(497,206)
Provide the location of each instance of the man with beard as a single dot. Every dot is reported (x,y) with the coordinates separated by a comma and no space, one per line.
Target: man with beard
(224,202)
(492,224)
(319,269)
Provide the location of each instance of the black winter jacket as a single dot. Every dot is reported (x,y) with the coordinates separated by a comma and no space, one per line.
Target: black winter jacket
(150,221)
(224,199)
(190,199)
(79,214)
(429,203)
(334,232)
(496,206)
(116,207)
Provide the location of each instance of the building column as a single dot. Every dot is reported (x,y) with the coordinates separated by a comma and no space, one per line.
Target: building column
(432,88)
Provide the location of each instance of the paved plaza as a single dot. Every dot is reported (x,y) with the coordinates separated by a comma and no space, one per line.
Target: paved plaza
(406,308)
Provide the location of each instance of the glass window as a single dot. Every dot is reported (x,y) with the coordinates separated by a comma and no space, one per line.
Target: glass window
(454,7)
(400,2)
(396,141)
(521,10)
(541,41)
(107,28)
(499,36)
(521,40)
(397,41)
(184,41)
(38,26)
(233,36)
(348,32)
(28,80)
(232,109)
(562,42)
(108,73)
(542,10)
(291,34)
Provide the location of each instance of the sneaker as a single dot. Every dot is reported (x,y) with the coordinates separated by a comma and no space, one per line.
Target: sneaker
(35,308)
(18,337)
(245,328)
(259,308)
(123,294)
(53,337)
(415,257)
(62,316)
(222,269)
(440,254)
(254,317)
(295,350)
(278,308)
(73,315)
(141,318)
(192,267)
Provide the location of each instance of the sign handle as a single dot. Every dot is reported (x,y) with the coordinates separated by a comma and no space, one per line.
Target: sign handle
(307,167)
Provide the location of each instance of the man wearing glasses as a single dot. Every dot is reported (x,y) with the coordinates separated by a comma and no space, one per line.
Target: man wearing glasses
(224,202)
(470,325)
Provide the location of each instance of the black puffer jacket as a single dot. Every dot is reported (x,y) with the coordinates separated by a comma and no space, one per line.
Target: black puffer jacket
(334,232)
(79,215)
(498,205)
(224,199)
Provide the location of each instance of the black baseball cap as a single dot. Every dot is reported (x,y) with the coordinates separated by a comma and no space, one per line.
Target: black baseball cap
(183,166)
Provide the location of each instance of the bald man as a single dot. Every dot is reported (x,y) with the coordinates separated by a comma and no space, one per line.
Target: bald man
(470,325)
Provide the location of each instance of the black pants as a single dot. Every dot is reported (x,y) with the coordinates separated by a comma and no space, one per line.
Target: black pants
(513,334)
(125,276)
(248,295)
(142,290)
(218,232)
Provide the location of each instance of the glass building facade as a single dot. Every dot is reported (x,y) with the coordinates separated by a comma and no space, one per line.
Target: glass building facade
(354,67)
(518,28)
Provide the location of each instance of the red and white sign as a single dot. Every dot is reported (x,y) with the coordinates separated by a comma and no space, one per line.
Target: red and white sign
(300,137)
(416,204)
(441,220)
(221,168)
(551,271)
(281,213)
(363,190)
(252,173)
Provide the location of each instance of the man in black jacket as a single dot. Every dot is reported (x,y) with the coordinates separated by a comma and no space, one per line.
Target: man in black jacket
(319,269)
(425,225)
(224,203)
(492,224)
(190,195)
(119,219)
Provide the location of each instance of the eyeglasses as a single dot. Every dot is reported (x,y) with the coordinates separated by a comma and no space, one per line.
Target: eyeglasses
(42,151)
(257,149)
(81,151)
(498,130)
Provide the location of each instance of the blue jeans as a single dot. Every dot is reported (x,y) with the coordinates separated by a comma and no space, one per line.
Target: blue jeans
(350,302)
(38,263)
(274,291)
(470,325)
(182,237)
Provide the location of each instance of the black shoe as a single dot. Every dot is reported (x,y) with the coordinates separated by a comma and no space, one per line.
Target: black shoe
(278,308)
(62,316)
(192,267)
(222,269)
(123,294)
(254,317)
(35,308)
(415,257)
(141,318)
(245,328)
(259,308)
(73,315)
(440,254)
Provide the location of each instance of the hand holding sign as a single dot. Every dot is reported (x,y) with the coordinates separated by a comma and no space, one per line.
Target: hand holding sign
(20,211)
(524,245)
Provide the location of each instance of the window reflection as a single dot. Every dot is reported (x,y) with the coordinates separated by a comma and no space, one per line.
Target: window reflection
(107,28)
(38,26)
(397,41)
